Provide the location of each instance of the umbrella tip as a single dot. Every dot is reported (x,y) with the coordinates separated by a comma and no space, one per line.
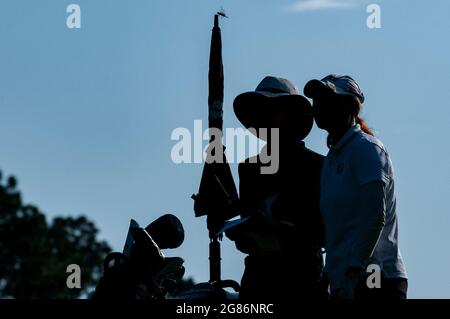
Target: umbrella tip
(222,13)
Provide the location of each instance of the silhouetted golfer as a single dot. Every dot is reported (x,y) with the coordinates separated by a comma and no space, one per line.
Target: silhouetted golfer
(358,200)
(284,233)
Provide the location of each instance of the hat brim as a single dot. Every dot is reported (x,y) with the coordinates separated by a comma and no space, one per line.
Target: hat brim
(257,109)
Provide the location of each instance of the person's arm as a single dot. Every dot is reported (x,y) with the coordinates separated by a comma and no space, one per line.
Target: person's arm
(373,218)
(370,227)
(371,167)
(248,190)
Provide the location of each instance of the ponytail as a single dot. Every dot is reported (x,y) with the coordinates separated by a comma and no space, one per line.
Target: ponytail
(356,107)
(364,127)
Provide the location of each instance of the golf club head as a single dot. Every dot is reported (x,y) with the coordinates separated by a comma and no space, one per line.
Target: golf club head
(167,231)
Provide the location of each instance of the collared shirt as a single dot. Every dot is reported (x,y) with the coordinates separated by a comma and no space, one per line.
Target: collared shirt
(357,159)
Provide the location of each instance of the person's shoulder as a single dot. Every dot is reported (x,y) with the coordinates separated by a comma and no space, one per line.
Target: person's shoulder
(367,146)
(313,155)
(367,142)
(253,160)
(312,158)
(249,165)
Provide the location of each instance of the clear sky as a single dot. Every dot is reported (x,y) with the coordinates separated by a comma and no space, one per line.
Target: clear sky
(86,115)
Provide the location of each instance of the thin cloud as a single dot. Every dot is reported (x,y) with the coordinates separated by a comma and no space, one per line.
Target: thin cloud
(315,5)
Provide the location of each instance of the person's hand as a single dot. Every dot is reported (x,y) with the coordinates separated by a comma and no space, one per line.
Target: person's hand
(352,277)
(343,294)
(273,226)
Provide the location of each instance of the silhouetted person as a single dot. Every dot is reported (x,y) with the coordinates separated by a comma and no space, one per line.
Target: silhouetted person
(358,200)
(284,233)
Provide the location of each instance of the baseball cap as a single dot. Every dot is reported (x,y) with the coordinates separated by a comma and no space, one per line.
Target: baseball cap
(338,84)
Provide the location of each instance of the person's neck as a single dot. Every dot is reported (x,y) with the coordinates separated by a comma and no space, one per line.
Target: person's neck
(337,133)
(284,148)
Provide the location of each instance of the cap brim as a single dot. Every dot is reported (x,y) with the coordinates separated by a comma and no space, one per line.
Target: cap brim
(256,109)
(315,88)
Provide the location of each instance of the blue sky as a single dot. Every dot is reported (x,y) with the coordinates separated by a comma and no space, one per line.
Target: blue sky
(86,115)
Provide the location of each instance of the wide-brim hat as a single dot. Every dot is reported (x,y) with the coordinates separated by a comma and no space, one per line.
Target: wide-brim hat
(257,109)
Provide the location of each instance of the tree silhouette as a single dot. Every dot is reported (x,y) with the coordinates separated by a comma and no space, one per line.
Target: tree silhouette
(34,254)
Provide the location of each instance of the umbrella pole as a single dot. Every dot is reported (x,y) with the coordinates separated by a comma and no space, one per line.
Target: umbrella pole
(214,260)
